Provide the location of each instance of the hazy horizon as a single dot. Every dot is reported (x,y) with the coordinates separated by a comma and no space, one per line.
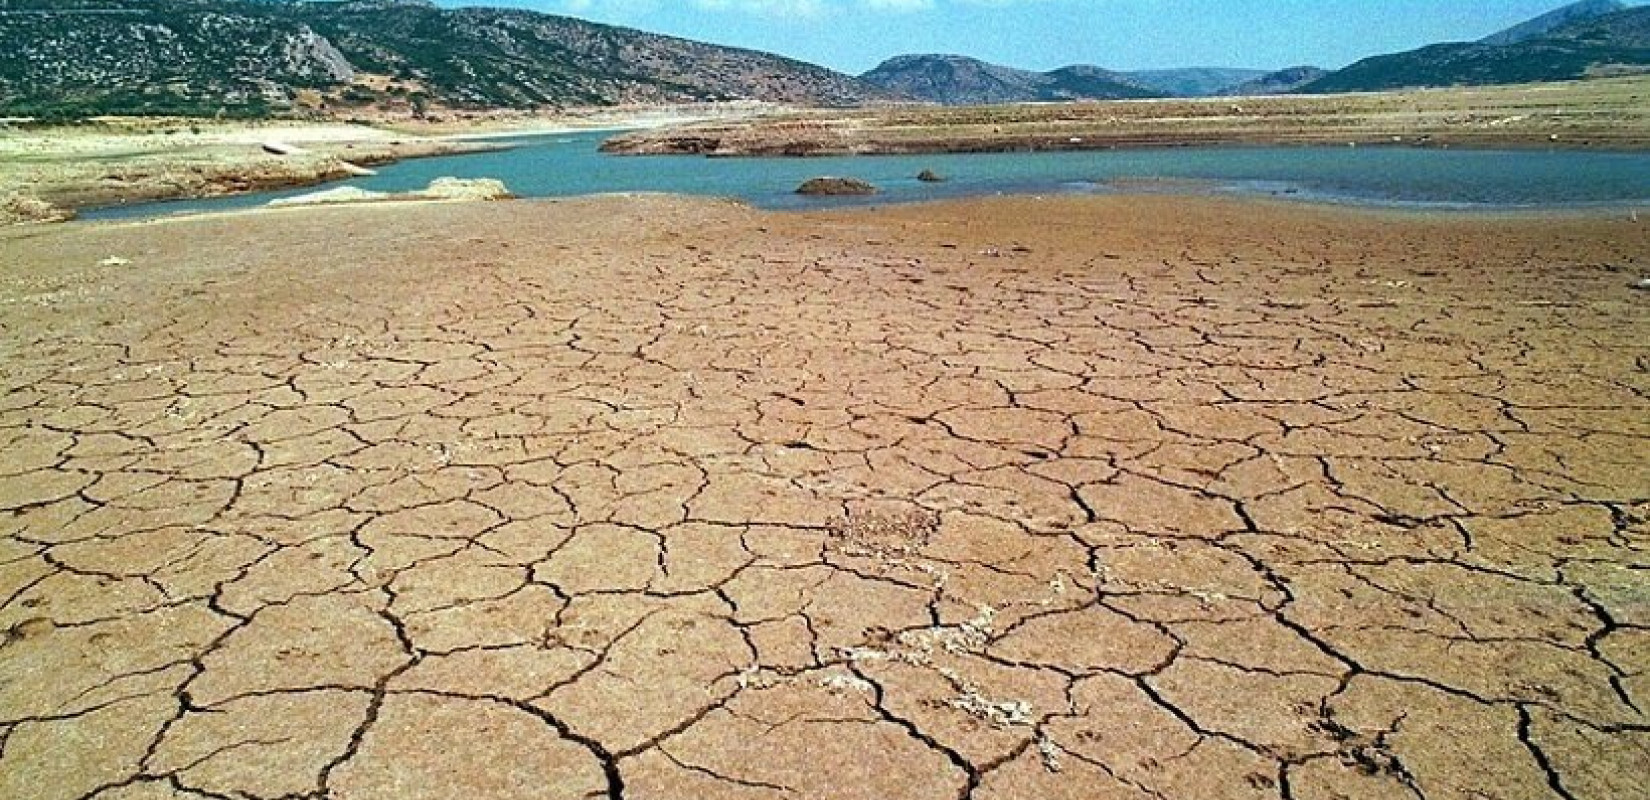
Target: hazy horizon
(853,36)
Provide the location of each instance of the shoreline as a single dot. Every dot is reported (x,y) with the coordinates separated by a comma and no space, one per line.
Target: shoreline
(47,175)
(1400,212)
(52,173)
(687,141)
(1190,190)
(237,181)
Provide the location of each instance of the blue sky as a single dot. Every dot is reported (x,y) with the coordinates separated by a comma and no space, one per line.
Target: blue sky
(855,35)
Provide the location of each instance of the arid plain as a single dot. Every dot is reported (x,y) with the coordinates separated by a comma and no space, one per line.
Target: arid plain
(648,497)
(1593,114)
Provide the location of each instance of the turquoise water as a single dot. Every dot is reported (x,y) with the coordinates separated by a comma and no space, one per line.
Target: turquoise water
(567,165)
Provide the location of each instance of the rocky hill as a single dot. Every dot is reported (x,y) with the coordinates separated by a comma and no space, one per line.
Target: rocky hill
(958,80)
(75,57)
(1600,45)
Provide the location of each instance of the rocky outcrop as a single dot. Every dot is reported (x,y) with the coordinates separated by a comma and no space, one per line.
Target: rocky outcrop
(17,209)
(830,187)
(313,49)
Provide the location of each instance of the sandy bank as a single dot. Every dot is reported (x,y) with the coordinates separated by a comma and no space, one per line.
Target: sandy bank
(138,160)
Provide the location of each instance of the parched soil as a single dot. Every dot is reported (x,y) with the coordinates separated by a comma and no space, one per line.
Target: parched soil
(655,498)
(1606,113)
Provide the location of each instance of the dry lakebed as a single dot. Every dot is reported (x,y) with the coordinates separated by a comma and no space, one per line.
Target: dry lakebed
(651,497)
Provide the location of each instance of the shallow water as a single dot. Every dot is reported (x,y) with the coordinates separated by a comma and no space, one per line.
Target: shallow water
(569,164)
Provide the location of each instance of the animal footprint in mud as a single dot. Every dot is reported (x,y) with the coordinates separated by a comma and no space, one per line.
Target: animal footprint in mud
(32,628)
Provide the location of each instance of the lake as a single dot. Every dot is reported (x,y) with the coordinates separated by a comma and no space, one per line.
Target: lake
(569,164)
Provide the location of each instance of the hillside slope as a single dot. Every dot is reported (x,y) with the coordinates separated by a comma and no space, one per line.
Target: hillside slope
(1611,44)
(244,57)
(1547,23)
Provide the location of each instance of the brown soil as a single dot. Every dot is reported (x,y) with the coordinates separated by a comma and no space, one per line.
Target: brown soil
(1608,113)
(655,498)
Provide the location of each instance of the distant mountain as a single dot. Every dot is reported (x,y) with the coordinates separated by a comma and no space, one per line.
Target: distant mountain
(65,57)
(1083,82)
(958,80)
(1610,44)
(1283,81)
(1553,20)
(1192,81)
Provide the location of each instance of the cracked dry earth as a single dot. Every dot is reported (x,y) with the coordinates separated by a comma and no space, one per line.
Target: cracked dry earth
(658,498)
